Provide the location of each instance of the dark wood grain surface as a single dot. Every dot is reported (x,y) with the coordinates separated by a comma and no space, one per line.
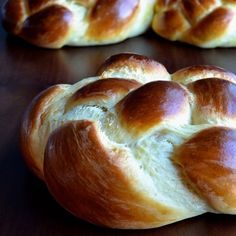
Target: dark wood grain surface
(26,207)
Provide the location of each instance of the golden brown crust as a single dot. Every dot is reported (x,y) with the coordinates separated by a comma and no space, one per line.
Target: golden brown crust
(38,22)
(152,104)
(48,27)
(209,161)
(109,17)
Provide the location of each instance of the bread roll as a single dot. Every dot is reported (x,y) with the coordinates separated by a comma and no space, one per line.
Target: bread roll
(136,147)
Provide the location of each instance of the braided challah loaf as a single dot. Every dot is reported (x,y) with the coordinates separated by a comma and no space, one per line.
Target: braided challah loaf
(136,147)
(54,23)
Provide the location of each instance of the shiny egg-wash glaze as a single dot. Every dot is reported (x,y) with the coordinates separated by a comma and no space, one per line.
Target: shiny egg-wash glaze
(136,147)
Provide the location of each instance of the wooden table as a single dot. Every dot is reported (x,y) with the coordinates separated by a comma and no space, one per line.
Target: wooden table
(26,207)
